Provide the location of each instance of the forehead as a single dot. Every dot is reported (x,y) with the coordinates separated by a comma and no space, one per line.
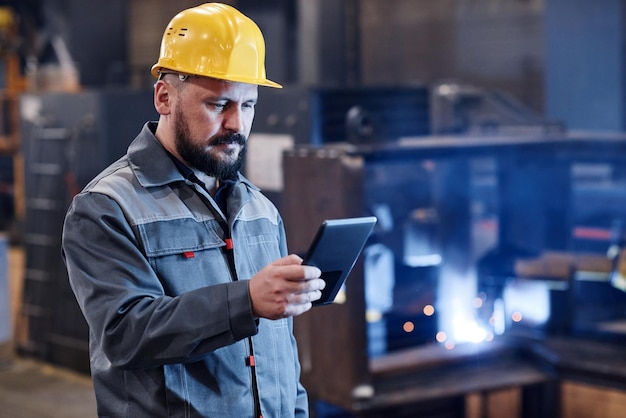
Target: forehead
(224,89)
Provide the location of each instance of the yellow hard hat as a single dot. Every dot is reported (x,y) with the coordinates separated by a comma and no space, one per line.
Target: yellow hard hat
(214,40)
(7,19)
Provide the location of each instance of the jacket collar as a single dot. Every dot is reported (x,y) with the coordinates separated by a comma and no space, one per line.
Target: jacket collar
(152,164)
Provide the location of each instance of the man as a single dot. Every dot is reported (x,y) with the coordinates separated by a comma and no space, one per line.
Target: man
(179,264)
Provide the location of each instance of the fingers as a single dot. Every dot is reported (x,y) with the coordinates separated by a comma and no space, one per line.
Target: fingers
(299,309)
(285,288)
(311,272)
(296,270)
(302,302)
(306,297)
(311,285)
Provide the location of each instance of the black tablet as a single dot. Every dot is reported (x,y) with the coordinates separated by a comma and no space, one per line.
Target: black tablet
(335,249)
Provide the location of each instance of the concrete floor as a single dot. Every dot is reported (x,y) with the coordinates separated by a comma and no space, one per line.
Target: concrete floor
(31,389)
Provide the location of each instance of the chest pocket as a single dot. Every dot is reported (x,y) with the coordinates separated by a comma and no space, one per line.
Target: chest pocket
(262,250)
(186,254)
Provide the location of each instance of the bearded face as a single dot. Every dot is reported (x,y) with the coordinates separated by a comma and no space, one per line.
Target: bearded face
(219,158)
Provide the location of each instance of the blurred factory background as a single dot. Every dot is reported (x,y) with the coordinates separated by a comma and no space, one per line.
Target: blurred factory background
(487,136)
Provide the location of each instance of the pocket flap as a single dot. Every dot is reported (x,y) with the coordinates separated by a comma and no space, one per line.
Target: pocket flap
(178,236)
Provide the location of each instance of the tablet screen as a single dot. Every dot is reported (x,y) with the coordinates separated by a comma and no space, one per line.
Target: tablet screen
(335,249)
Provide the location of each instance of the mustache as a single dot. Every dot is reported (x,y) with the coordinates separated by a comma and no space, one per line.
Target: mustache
(231,138)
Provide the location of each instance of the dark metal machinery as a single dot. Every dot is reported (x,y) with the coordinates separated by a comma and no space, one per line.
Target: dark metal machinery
(484,235)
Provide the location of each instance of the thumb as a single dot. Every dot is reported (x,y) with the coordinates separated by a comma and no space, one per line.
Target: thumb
(288,260)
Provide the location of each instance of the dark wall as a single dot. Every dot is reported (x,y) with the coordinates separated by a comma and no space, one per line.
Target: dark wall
(585,63)
(571,50)
(96,35)
(97,39)
(277,21)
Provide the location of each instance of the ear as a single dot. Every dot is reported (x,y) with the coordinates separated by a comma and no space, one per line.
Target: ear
(162,97)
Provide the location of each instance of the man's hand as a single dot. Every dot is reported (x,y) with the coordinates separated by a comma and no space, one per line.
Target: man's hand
(285,288)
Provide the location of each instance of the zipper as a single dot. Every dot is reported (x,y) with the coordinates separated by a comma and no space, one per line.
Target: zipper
(229,252)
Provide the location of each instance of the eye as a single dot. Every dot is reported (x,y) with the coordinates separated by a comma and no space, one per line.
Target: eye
(219,106)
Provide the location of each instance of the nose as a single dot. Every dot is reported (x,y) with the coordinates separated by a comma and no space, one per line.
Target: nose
(233,120)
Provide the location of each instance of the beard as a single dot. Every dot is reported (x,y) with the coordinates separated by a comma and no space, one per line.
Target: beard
(197,156)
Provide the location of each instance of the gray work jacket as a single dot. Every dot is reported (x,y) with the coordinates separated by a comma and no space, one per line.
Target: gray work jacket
(168,324)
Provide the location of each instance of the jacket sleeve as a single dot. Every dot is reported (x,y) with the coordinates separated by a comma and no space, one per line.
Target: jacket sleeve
(124,303)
